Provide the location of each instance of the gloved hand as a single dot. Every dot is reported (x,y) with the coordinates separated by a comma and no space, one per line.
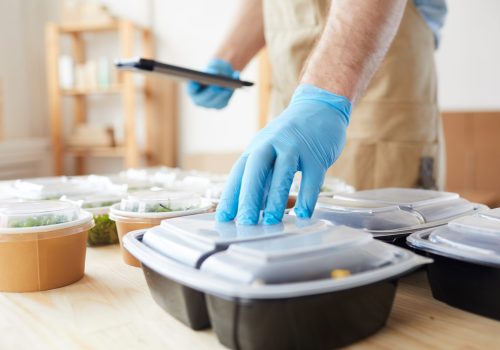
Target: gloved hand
(308,137)
(213,96)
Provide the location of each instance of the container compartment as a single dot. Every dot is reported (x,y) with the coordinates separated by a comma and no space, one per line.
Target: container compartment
(185,304)
(322,321)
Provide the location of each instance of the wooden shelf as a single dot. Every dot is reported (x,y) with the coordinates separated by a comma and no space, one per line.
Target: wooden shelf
(96,151)
(79,28)
(97,91)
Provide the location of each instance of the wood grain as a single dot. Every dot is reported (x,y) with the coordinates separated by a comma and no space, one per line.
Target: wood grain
(110,308)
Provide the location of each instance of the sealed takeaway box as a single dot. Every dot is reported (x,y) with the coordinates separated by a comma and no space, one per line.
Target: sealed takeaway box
(466,269)
(42,245)
(190,240)
(310,284)
(390,214)
(145,209)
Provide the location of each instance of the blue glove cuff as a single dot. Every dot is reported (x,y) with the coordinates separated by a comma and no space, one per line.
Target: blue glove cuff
(307,92)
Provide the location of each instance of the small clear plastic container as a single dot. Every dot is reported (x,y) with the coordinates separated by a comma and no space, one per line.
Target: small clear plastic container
(42,245)
(145,209)
(104,232)
(392,213)
(466,272)
(338,283)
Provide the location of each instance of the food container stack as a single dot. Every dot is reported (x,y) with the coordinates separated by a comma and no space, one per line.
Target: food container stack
(145,209)
(298,284)
(391,214)
(42,245)
(466,271)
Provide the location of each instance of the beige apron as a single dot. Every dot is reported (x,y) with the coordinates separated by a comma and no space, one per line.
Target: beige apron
(395,129)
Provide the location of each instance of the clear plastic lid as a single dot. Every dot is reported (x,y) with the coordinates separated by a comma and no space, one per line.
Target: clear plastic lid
(188,238)
(337,252)
(329,261)
(94,201)
(407,197)
(159,201)
(36,214)
(392,209)
(474,237)
(56,187)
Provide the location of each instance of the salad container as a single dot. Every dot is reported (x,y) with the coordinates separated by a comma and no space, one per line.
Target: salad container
(104,232)
(466,269)
(42,245)
(145,209)
(298,284)
(391,214)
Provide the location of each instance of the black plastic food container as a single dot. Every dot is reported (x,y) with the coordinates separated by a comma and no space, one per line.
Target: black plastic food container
(325,287)
(391,214)
(191,240)
(466,269)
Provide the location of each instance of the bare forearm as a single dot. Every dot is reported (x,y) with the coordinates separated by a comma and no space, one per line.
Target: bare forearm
(356,38)
(246,36)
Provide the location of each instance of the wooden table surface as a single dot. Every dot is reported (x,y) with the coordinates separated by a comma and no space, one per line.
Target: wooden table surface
(110,308)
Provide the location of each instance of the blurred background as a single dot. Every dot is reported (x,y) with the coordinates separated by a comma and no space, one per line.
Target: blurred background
(65,110)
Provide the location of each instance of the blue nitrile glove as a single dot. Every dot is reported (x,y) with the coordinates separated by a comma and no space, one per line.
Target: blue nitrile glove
(213,96)
(308,137)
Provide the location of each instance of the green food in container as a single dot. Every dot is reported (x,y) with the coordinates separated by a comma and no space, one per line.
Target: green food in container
(104,232)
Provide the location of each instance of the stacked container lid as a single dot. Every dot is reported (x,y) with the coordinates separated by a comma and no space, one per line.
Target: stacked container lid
(42,245)
(392,213)
(301,283)
(466,272)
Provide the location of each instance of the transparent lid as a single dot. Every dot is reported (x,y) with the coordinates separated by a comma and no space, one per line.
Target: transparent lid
(474,237)
(56,187)
(189,238)
(92,201)
(36,214)
(368,216)
(335,253)
(392,209)
(407,197)
(159,201)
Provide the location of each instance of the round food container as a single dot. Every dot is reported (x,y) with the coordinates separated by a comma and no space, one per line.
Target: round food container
(42,245)
(104,232)
(146,209)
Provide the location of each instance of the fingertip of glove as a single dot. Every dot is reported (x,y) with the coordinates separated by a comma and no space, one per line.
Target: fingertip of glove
(223,216)
(270,219)
(302,213)
(246,220)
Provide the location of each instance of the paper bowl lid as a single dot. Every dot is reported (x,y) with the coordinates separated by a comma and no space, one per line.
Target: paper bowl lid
(23,215)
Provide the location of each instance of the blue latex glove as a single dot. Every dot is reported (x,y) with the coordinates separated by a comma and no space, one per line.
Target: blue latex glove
(308,137)
(213,96)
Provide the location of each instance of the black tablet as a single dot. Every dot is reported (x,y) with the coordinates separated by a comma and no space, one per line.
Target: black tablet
(144,65)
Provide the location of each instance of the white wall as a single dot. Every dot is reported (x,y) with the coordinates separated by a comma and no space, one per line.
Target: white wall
(469,58)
